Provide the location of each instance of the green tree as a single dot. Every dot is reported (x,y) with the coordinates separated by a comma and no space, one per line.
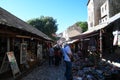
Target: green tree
(83,25)
(45,24)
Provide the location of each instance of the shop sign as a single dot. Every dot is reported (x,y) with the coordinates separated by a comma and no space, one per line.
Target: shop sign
(5,65)
(13,63)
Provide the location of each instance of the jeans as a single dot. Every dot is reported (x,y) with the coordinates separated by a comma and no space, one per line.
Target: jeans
(68,72)
(57,60)
(51,60)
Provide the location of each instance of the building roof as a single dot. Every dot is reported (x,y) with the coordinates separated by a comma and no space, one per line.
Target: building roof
(74,30)
(10,20)
(88,2)
(71,31)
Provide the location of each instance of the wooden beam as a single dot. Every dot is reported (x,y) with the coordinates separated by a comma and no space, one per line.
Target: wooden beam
(28,37)
(6,35)
(7,32)
(20,36)
(37,38)
(8,44)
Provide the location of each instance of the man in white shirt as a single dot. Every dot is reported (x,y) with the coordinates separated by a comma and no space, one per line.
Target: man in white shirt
(67,59)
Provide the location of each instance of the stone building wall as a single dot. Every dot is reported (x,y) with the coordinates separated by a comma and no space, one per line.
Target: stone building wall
(97,5)
(114,7)
(96,15)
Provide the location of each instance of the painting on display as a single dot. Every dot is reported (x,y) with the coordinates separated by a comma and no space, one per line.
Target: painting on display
(119,40)
(23,53)
(39,51)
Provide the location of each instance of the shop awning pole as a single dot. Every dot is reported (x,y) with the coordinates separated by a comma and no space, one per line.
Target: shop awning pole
(101,44)
(8,44)
(22,40)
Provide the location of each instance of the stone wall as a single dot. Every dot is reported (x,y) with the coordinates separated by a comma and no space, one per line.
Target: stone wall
(114,7)
(97,5)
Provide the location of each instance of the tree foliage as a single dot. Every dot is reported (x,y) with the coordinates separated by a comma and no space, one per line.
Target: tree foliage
(45,24)
(83,25)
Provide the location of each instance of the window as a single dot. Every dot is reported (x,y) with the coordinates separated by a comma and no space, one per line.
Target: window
(102,9)
(106,19)
(105,7)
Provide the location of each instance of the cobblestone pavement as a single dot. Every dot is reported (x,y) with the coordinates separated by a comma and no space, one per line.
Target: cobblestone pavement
(46,72)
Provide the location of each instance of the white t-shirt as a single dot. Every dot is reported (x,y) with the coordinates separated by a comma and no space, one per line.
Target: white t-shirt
(67,51)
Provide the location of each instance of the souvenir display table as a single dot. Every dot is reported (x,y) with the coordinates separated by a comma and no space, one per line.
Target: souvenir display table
(85,69)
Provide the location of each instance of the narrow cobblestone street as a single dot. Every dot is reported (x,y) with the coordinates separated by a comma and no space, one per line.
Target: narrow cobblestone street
(46,72)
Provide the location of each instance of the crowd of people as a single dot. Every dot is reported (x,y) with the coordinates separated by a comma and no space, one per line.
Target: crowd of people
(57,54)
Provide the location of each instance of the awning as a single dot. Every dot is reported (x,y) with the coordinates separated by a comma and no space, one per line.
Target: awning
(94,31)
(91,32)
(72,41)
(112,19)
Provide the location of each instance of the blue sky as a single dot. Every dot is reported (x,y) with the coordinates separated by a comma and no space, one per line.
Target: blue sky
(66,12)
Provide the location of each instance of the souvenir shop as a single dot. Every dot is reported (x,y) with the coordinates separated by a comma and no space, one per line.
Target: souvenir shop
(27,50)
(100,59)
(21,45)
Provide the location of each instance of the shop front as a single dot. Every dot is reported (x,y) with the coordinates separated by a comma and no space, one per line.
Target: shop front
(103,41)
(19,44)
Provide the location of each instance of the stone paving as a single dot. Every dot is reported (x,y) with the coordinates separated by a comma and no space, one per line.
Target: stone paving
(46,72)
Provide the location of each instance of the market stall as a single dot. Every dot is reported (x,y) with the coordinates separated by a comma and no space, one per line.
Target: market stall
(21,39)
(101,45)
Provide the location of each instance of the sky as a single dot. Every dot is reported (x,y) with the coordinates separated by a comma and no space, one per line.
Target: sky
(66,12)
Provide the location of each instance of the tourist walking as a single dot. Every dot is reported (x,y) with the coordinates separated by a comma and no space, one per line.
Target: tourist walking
(67,59)
(51,55)
(57,55)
